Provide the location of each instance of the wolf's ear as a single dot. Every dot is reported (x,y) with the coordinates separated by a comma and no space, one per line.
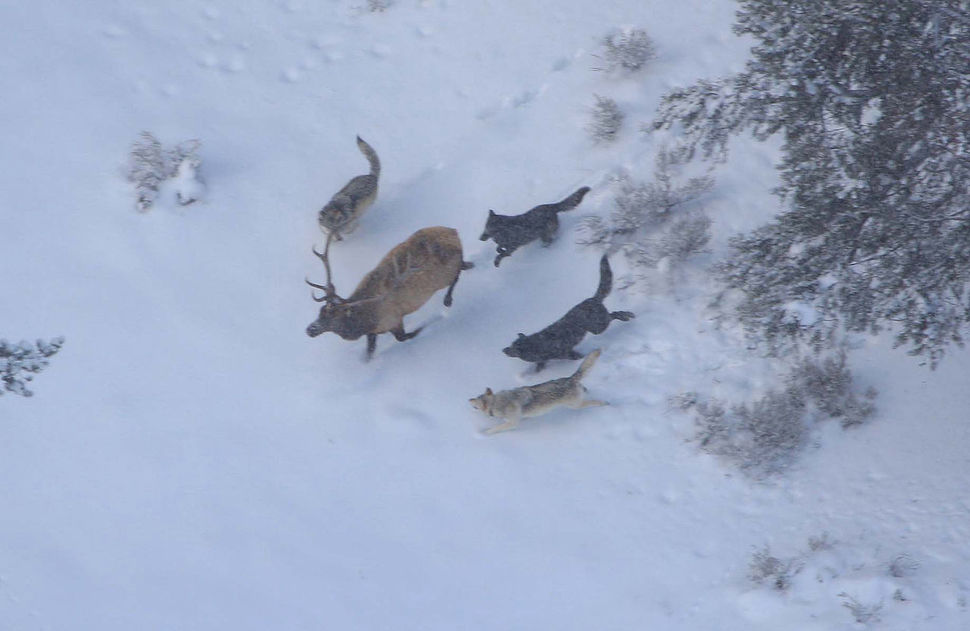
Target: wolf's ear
(488,391)
(521,335)
(491,213)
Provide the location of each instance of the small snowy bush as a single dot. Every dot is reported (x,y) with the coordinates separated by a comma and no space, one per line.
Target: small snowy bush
(606,120)
(764,437)
(861,612)
(20,362)
(150,166)
(767,569)
(627,50)
(375,6)
(654,223)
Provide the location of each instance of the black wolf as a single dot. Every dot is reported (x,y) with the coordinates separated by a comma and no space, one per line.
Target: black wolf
(557,340)
(511,232)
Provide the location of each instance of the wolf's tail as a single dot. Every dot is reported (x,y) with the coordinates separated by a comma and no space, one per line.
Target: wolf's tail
(572,201)
(371,155)
(606,279)
(586,365)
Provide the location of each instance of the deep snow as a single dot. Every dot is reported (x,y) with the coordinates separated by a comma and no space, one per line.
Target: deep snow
(192,460)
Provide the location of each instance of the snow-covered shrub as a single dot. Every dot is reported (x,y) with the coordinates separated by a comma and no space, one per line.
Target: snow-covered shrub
(862,613)
(828,385)
(767,569)
(150,165)
(606,118)
(764,437)
(20,362)
(828,580)
(902,565)
(626,50)
(653,223)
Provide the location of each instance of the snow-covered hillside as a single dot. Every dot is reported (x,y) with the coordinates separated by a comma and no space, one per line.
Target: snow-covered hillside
(192,460)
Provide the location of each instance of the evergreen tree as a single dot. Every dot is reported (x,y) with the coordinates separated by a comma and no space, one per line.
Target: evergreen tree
(19,363)
(871,98)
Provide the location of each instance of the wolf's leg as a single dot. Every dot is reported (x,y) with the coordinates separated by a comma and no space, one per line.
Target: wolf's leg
(511,423)
(590,403)
(502,253)
(622,315)
(371,344)
(549,231)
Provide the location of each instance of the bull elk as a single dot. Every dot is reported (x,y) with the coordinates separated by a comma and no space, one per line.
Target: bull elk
(429,260)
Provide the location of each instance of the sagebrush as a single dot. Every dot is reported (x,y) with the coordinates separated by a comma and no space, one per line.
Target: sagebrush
(656,222)
(764,437)
(626,50)
(606,119)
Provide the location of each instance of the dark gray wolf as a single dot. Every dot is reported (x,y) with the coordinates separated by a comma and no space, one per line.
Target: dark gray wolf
(557,340)
(511,232)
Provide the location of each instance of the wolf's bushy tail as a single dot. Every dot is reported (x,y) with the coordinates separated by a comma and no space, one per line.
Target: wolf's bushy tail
(588,362)
(371,155)
(606,279)
(572,201)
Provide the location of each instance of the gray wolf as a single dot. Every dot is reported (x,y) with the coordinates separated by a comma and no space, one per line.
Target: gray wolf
(527,401)
(511,232)
(557,340)
(341,213)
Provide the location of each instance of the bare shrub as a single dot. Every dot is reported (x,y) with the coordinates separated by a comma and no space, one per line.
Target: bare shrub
(903,565)
(861,612)
(626,50)
(767,569)
(656,222)
(20,362)
(606,119)
(375,6)
(828,385)
(764,437)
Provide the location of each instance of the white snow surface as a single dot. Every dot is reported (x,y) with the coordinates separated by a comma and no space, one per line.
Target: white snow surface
(192,460)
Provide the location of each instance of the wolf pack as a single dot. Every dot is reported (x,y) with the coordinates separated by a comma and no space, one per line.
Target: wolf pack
(431,259)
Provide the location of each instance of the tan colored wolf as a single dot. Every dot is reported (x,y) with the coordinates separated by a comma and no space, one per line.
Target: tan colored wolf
(518,403)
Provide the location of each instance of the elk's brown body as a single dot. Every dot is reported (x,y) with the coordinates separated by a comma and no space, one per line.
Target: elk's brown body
(429,260)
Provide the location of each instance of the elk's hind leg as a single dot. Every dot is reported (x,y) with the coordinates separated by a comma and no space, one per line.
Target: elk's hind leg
(401,336)
(464,265)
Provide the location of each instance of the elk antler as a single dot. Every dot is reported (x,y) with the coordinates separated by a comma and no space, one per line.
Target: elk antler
(330,293)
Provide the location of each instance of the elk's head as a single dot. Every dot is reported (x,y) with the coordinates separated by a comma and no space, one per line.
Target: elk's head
(331,313)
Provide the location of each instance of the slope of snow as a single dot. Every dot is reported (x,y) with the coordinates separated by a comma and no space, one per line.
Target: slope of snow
(192,460)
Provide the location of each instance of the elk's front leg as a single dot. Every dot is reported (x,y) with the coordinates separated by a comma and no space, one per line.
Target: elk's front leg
(371,344)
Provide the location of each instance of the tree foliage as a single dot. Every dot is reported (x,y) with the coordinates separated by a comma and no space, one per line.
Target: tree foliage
(870,98)
(20,362)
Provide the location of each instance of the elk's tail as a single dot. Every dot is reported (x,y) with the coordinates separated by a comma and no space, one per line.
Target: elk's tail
(371,155)
(606,279)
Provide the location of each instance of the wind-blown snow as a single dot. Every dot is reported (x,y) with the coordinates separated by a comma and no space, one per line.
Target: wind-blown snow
(192,460)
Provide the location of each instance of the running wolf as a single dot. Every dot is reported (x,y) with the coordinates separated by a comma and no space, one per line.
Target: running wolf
(557,340)
(511,232)
(341,213)
(514,405)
